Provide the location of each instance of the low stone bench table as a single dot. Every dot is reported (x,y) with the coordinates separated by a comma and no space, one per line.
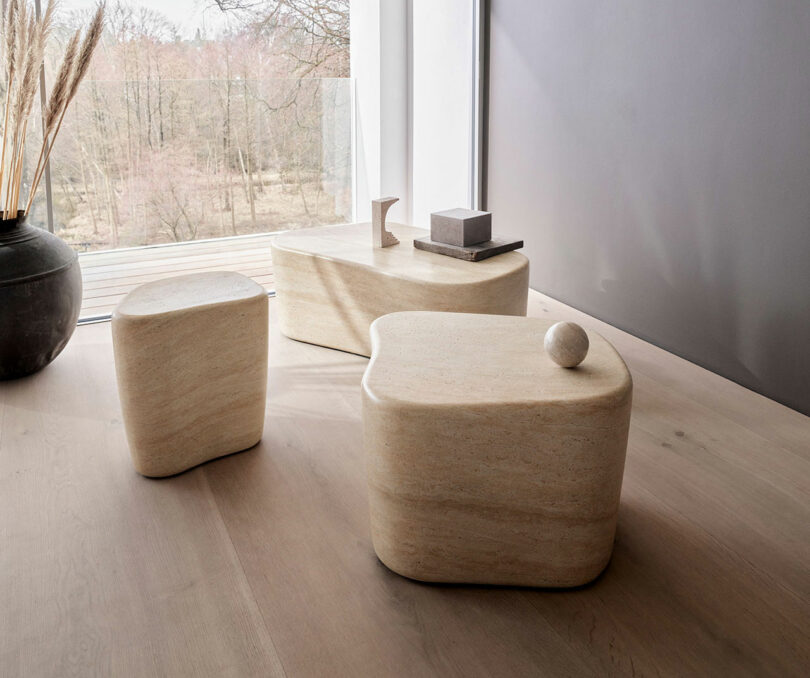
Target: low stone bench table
(331,283)
(487,462)
(191,361)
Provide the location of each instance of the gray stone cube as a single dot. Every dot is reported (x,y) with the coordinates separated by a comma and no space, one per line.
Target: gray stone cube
(461,227)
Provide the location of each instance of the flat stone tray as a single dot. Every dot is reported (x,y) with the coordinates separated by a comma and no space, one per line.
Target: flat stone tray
(477,252)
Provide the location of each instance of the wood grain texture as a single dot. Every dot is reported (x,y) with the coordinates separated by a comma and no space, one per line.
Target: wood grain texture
(331,285)
(109,275)
(104,572)
(261,563)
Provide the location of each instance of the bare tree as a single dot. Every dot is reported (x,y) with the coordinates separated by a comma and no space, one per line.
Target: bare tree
(173,139)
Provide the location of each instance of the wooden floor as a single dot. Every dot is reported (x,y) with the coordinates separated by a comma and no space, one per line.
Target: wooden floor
(260,564)
(109,275)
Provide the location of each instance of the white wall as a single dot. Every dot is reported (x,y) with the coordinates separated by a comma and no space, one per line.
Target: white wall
(379,67)
(412,63)
(442,100)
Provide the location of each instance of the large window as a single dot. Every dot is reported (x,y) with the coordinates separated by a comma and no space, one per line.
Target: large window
(201,119)
(225,120)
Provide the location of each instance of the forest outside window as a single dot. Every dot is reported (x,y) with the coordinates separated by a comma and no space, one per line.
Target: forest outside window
(203,119)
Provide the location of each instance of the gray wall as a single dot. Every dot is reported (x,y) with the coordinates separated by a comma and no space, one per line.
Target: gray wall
(655,157)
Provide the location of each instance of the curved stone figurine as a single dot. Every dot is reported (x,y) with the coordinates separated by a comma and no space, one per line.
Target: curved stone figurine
(381,237)
(566,344)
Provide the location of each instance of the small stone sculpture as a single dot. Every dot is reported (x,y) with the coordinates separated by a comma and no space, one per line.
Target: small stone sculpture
(461,227)
(566,344)
(381,237)
(464,234)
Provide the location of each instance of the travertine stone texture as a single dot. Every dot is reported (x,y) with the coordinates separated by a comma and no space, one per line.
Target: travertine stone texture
(486,462)
(380,237)
(461,227)
(191,361)
(566,344)
(331,284)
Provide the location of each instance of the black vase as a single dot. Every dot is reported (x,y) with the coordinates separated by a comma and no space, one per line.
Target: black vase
(40,297)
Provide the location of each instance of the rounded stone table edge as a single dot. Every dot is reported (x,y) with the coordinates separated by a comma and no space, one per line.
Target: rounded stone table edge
(444,285)
(150,347)
(528,582)
(425,456)
(331,300)
(615,397)
(121,315)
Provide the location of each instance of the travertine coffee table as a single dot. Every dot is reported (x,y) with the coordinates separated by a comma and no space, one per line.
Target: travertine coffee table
(191,361)
(487,462)
(331,284)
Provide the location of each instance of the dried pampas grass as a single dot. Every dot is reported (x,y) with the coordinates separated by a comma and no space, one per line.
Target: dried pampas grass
(25,37)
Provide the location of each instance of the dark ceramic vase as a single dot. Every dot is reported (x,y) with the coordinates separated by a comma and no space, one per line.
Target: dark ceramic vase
(40,297)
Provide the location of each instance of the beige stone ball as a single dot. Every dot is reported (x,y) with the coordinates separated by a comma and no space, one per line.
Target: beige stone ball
(566,344)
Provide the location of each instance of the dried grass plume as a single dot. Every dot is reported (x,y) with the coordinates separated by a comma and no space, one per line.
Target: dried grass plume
(23,44)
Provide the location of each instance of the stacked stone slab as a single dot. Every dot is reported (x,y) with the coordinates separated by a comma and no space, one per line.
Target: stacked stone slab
(461,227)
(464,234)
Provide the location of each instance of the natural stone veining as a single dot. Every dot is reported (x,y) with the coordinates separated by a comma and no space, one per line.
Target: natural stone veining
(566,344)
(331,284)
(486,462)
(380,237)
(191,361)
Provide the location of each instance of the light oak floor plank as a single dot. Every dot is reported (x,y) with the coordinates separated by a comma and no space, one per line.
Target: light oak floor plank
(308,474)
(103,572)
(774,421)
(261,563)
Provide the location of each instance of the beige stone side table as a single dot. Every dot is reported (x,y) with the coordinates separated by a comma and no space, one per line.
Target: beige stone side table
(331,283)
(191,361)
(487,462)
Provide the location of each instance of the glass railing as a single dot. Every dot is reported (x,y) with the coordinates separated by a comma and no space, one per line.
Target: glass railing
(149,162)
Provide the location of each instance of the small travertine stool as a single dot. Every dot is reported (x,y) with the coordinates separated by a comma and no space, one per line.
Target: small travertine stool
(487,462)
(191,360)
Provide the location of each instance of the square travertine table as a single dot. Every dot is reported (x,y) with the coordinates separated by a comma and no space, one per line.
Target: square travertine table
(331,283)
(191,361)
(487,462)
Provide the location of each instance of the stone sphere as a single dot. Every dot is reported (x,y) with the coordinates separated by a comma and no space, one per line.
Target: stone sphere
(566,344)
